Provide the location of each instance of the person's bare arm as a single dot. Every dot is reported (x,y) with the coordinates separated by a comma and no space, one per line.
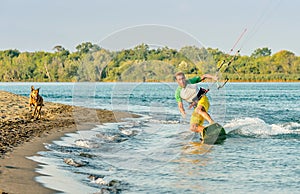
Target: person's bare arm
(181,109)
(203,77)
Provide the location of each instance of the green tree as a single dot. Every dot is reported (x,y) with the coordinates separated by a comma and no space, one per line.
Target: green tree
(141,52)
(261,52)
(282,61)
(58,48)
(86,47)
(92,63)
(12,53)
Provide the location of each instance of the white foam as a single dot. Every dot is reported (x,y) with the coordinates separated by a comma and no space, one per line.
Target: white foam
(257,127)
(129,132)
(163,121)
(59,179)
(86,143)
(100,181)
(292,126)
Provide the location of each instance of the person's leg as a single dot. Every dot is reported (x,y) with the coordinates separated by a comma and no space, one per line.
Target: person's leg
(197,123)
(200,131)
(197,129)
(194,127)
(201,111)
(202,108)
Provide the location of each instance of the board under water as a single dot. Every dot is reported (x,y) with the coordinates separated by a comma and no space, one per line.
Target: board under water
(214,134)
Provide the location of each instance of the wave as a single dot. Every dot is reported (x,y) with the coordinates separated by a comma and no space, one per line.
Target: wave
(112,137)
(164,121)
(257,128)
(85,143)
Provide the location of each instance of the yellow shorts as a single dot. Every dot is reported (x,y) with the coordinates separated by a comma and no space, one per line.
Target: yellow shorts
(197,118)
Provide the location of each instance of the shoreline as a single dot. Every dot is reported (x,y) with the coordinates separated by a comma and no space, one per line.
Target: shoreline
(21,137)
(18,172)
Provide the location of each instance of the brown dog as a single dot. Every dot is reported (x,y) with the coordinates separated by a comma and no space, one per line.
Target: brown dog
(37,101)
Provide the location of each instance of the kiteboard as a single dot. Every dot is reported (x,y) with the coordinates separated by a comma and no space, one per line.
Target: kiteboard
(214,134)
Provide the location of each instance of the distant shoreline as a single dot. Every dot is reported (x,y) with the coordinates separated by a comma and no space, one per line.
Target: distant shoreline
(230,81)
(143,63)
(272,81)
(21,137)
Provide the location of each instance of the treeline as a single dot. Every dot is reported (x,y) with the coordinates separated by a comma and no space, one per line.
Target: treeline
(142,63)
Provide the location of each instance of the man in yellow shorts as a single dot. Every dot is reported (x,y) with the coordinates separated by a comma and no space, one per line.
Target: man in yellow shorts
(189,91)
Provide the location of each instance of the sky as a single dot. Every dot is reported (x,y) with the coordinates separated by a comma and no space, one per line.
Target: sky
(35,25)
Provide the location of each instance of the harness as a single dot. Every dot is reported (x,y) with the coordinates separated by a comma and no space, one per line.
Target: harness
(192,94)
(201,93)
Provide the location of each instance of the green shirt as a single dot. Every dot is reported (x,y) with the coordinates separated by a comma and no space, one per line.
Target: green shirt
(193,80)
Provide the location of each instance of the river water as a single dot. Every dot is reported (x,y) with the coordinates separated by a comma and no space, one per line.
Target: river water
(157,153)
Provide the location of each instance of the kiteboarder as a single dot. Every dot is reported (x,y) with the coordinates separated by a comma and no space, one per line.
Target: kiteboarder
(189,91)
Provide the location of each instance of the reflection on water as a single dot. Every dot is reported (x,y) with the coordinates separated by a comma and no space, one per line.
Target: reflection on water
(196,148)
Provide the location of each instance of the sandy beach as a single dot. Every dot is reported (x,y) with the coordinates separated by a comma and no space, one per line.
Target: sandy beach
(21,136)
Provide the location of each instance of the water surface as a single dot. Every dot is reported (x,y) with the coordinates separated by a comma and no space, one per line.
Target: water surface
(158,154)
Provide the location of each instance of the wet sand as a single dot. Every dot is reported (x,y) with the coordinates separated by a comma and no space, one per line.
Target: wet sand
(21,136)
